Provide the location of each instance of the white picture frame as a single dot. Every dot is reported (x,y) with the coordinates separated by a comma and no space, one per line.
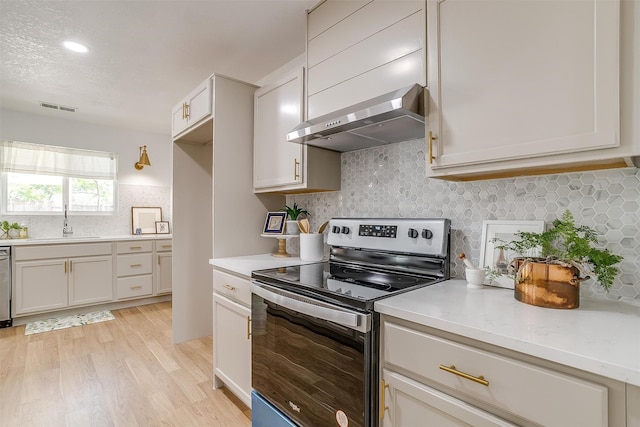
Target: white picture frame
(144,219)
(492,257)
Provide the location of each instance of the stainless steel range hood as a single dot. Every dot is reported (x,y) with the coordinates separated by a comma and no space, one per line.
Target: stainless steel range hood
(394,117)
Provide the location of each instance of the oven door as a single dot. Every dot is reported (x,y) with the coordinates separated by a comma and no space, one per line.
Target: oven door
(311,359)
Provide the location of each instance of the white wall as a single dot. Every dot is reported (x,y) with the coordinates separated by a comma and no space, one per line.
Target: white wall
(40,129)
(148,187)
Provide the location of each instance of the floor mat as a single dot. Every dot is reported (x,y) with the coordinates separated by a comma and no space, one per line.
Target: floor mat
(56,323)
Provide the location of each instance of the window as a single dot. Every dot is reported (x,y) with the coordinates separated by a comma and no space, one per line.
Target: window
(41,178)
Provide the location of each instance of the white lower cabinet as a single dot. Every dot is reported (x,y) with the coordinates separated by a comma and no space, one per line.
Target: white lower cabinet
(164,258)
(55,277)
(90,280)
(134,269)
(40,286)
(411,403)
(433,378)
(232,334)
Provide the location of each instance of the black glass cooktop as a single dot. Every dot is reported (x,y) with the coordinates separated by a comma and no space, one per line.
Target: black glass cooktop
(338,283)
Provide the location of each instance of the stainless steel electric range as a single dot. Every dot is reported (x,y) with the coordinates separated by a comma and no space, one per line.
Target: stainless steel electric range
(315,335)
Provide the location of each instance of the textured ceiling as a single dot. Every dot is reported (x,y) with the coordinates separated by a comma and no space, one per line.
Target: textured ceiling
(144,55)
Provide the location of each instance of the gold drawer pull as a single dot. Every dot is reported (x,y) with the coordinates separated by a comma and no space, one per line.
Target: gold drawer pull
(135,265)
(231,288)
(166,246)
(135,247)
(431,139)
(452,370)
(383,407)
(296,175)
(136,287)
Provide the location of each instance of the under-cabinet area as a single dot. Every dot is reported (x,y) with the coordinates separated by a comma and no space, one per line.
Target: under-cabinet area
(55,277)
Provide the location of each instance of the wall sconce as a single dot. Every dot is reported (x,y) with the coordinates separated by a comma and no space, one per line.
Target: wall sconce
(144,159)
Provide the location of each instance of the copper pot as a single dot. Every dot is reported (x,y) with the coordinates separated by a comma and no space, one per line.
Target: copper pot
(547,285)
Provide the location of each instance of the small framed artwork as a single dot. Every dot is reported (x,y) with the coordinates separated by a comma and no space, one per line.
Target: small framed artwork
(274,224)
(144,220)
(162,227)
(494,232)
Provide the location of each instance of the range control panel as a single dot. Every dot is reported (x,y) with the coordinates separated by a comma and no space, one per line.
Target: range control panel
(404,235)
(378,230)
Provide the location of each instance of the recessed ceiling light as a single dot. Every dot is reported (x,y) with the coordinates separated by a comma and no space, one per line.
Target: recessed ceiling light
(76,47)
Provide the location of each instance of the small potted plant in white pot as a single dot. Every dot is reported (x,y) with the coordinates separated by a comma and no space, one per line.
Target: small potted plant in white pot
(9,230)
(293,213)
(567,257)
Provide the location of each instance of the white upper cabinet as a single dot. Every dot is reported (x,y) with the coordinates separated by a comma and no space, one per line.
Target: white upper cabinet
(192,109)
(524,85)
(358,50)
(281,166)
(278,109)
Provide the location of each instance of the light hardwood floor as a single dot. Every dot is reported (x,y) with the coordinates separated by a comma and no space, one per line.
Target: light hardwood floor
(124,372)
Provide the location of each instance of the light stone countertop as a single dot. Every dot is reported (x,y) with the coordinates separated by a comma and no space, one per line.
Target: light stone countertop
(80,239)
(244,265)
(601,336)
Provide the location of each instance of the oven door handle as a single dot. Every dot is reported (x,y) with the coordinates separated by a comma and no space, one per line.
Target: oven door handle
(351,319)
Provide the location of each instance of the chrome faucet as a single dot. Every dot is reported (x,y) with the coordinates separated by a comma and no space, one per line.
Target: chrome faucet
(67,230)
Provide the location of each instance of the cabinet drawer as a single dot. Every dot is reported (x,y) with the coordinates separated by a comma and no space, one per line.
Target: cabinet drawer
(528,391)
(130,287)
(164,245)
(234,287)
(130,265)
(60,251)
(133,247)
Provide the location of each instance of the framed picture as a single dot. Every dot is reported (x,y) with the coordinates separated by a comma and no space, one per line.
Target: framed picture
(274,223)
(145,219)
(499,259)
(162,227)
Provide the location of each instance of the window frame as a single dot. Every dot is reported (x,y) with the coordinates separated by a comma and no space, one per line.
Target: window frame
(66,198)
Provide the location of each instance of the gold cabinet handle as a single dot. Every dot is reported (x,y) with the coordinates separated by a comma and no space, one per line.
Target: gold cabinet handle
(158,259)
(231,288)
(65,267)
(296,174)
(452,370)
(135,247)
(135,265)
(383,407)
(248,327)
(166,246)
(136,287)
(431,139)
(187,113)
(70,266)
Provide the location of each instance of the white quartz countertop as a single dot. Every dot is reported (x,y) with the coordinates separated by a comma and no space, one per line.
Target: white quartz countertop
(602,337)
(244,265)
(80,239)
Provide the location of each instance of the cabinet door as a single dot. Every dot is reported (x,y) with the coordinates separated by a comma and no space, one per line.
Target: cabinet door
(278,109)
(519,80)
(163,277)
(90,280)
(197,105)
(410,403)
(232,346)
(40,285)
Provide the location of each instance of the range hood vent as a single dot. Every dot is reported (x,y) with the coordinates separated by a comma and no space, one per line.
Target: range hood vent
(394,117)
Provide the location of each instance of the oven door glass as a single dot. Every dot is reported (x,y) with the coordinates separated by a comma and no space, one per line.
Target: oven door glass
(311,369)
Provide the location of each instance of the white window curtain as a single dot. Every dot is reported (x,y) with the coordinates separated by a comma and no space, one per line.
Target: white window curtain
(23,157)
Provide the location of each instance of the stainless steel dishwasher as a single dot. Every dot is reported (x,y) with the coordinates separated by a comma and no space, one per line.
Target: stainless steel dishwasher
(5,287)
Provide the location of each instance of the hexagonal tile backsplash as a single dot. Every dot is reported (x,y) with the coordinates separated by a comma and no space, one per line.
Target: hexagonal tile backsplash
(389,181)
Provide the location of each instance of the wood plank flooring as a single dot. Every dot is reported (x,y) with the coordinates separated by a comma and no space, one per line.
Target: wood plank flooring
(124,372)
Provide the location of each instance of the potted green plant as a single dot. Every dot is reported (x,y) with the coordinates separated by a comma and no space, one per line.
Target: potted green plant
(6,229)
(567,256)
(293,213)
